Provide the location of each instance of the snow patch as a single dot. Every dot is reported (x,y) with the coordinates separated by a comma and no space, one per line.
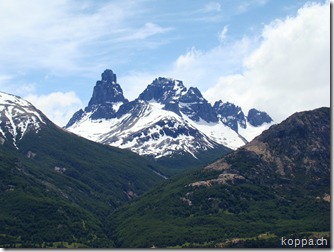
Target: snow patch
(18,117)
(250,132)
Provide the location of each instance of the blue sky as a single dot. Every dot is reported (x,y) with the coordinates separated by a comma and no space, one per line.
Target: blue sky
(270,54)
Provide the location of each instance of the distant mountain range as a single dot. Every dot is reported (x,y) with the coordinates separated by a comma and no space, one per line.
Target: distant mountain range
(167,121)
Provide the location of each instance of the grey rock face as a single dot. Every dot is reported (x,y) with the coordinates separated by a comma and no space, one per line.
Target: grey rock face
(109,76)
(196,107)
(163,90)
(105,95)
(230,114)
(76,117)
(257,118)
(107,90)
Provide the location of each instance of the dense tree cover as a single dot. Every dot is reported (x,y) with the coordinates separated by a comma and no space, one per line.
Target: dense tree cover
(162,218)
(60,193)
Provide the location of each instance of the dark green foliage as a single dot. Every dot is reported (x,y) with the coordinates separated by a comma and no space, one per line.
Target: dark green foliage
(218,213)
(43,204)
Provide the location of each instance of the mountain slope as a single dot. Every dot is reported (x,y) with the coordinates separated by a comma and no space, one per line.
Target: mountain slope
(278,185)
(166,121)
(17,118)
(56,188)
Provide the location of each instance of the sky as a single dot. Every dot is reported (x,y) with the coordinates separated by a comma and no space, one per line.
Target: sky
(273,55)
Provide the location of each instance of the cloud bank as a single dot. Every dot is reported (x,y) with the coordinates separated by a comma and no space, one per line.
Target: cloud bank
(66,36)
(58,106)
(283,70)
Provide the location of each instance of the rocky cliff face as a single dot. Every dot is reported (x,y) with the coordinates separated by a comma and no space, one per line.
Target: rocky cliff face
(196,107)
(257,118)
(107,90)
(106,99)
(231,115)
(163,90)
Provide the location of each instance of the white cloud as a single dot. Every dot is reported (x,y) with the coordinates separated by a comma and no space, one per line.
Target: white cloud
(289,71)
(204,68)
(246,5)
(135,82)
(184,62)
(66,36)
(148,30)
(212,7)
(58,106)
(222,34)
(288,62)
(9,85)
(4,78)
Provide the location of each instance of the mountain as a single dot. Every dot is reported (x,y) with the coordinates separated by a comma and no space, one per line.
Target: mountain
(55,187)
(18,118)
(168,122)
(275,187)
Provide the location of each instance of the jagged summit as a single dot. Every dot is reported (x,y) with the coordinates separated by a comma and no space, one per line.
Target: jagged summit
(233,116)
(257,118)
(193,95)
(106,99)
(107,90)
(166,119)
(177,98)
(108,76)
(230,114)
(163,90)
(196,107)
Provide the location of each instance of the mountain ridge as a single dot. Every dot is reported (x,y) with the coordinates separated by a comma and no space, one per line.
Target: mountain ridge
(154,119)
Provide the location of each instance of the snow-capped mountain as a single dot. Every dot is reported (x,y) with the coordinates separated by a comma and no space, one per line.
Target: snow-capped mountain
(17,118)
(166,119)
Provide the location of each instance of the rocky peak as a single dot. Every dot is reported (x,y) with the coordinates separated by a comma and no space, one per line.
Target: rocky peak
(17,118)
(196,107)
(107,90)
(193,95)
(108,76)
(106,99)
(227,108)
(257,118)
(163,90)
(230,114)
